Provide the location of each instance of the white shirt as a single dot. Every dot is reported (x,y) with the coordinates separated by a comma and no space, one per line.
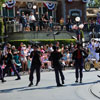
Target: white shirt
(32,18)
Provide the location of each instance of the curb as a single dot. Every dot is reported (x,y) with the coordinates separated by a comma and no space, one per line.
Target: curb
(94,90)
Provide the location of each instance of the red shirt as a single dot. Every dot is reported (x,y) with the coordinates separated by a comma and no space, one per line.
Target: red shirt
(79,56)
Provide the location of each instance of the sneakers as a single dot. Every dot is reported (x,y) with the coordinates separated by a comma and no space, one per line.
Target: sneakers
(59,85)
(80,80)
(18,78)
(62,81)
(30,84)
(36,83)
(3,81)
(76,81)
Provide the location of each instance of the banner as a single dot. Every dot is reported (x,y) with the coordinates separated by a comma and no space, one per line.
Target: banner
(10,4)
(50,6)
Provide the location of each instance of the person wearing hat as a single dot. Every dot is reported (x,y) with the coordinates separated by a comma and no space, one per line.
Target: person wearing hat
(54,58)
(10,63)
(78,56)
(35,65)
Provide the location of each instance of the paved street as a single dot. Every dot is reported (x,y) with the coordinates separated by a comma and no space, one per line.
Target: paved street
(47,90)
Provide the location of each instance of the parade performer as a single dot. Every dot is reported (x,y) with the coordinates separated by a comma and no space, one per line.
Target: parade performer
(35,65)
(1,64)
(78,56)
(54,58)
(10,63)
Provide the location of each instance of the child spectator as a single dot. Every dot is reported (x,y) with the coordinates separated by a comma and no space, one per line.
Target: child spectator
(29,63)
(51,23)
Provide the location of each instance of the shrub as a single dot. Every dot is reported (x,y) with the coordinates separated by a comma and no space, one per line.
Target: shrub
(1,29)
(42,42)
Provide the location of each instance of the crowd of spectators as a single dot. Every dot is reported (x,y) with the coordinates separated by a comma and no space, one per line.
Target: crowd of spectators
(22,60)
(32,22)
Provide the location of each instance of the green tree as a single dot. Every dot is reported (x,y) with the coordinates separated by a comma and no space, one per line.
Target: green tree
(97,3)
(94,3)
(1,22)
(1,2)
(90,3)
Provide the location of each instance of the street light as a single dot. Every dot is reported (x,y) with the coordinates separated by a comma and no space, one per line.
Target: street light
(81,26)
(3,5)
(77,19)
(4,18)
(34,7)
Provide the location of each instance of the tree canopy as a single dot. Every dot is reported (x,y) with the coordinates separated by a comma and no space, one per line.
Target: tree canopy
(94,3)
(97,3)
(1,2)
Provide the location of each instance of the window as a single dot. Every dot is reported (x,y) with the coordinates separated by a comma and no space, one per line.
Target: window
(11,14)
(40,12)
(5,13)
(8,12)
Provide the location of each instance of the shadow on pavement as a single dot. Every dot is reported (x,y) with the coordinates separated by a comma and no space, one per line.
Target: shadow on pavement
(11,90)
(38,88)
(26,88)
(79,84)
(93,70)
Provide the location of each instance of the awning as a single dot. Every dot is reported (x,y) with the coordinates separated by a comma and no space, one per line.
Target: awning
(92,12)
(37,0)
(91,15)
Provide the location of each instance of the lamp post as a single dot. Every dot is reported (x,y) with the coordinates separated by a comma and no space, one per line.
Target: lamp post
(3,5)
(4,19)
(34,7)
(77,19)
(82,39)
(79,31)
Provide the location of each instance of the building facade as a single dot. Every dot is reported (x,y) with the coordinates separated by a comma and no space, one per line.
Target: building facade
(56,8)
(72,8)
(76,8)
(27,6)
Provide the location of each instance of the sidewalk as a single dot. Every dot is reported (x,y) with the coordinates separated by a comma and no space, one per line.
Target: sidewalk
(95,90)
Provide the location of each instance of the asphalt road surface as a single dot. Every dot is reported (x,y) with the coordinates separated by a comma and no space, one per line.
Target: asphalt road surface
(47,90)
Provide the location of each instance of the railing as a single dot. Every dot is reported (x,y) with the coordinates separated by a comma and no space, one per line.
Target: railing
(13,27)
(17,27)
